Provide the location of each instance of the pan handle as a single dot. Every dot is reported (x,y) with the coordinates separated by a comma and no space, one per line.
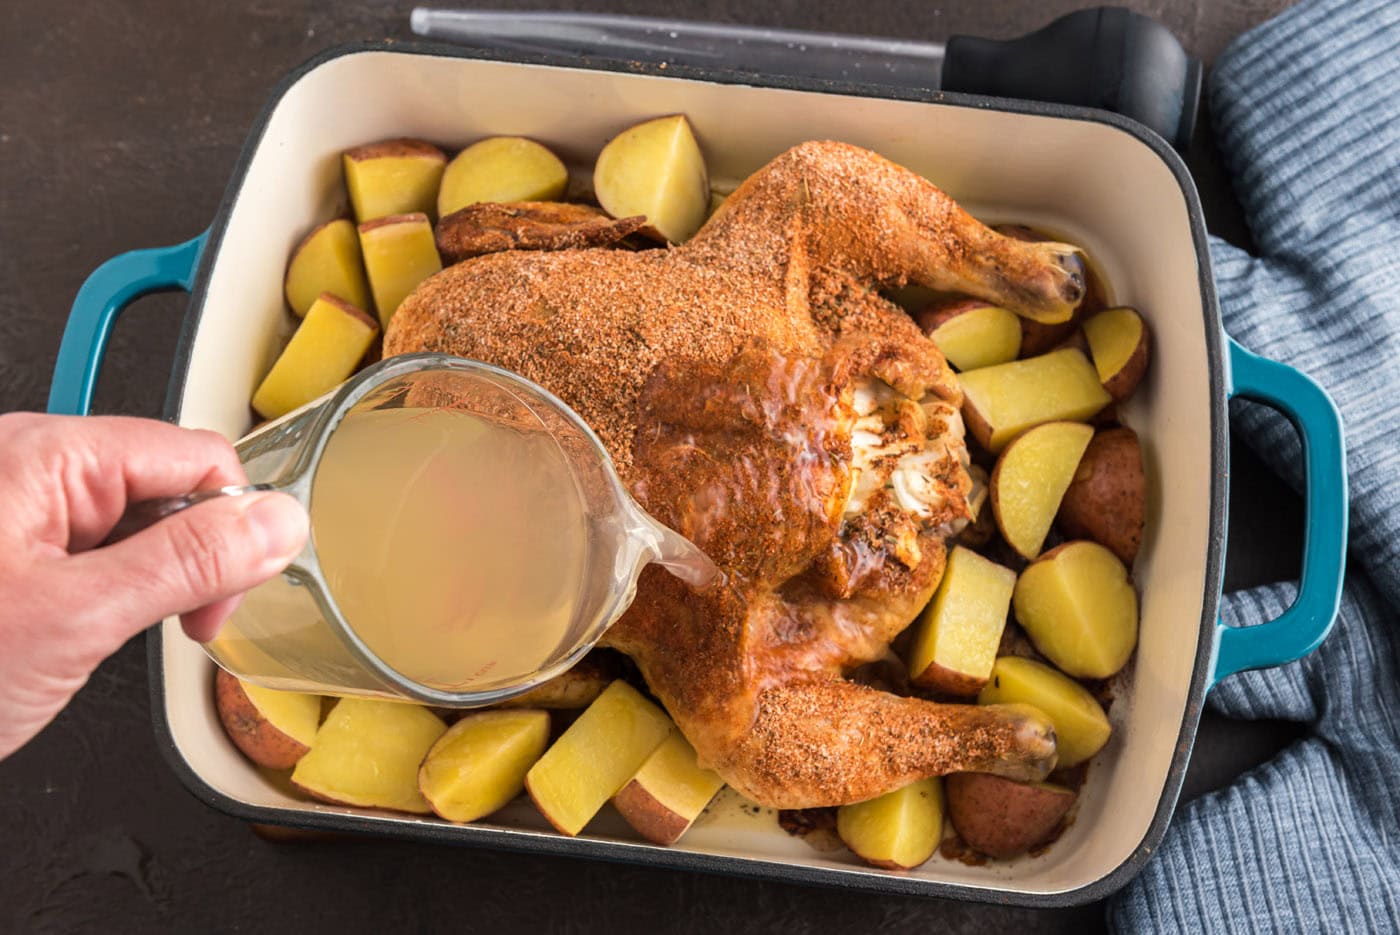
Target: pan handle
(107,292)
(1301,628)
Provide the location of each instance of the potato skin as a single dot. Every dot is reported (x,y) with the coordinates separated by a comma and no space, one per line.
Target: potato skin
(939,312)
(1038,338)
(1121,385)
(252,733)
(1003,818)
(948,681)
(402,148)
(1106,501)
(652,820)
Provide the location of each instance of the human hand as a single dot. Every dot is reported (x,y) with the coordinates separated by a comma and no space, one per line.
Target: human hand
(67,602)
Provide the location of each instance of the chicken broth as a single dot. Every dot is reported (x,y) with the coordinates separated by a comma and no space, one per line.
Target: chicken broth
(454,547)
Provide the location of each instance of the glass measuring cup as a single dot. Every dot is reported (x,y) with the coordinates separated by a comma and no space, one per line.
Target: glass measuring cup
(292,632)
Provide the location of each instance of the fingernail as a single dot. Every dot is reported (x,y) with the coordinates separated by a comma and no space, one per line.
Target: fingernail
(281,523)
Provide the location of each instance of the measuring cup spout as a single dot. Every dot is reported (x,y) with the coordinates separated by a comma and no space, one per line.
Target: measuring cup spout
(679,555)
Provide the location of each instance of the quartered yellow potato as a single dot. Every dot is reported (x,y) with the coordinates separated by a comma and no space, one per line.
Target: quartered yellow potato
(272,728)
(480,763)
(668,793)
(655,169)
(972,334)
(399,252)
(323,352)
(327,260)
(1081,727)
(899,830)
(1079,609)
(956,638)
(1030,480)
(1003,401)
(596,757)
(393,177)
(502,168)
(367,753)
(1118,343)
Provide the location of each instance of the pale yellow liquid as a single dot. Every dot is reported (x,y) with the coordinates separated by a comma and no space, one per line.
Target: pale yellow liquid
(454,547)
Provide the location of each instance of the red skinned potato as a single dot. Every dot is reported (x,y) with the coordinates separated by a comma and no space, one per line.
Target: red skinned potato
(1079,608)
(1037,338)
(1118,344)
(1106,500)
(663,799)
(272,728)
(897,831)
(1003,401)
(971,333)
(1030,479)
(1002,818)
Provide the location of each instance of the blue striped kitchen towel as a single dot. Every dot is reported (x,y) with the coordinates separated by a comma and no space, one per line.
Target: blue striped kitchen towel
(1307,112)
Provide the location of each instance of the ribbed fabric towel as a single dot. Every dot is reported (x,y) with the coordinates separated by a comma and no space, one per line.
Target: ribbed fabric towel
(1307,111)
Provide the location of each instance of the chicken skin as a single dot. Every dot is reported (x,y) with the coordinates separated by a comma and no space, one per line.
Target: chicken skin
(759,396)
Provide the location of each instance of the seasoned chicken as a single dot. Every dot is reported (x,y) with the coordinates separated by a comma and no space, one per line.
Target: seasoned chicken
(760,397)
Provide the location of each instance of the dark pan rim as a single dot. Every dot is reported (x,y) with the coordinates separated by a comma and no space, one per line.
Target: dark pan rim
(760,868)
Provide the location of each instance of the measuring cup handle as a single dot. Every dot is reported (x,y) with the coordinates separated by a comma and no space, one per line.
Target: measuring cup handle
(147,513)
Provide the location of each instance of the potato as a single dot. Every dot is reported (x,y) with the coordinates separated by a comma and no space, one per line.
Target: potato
(367,753)
(480,763)
(971,333)
(1081,727)
(573,688)
(272,728)
(501,168)
(1003,401)
(393,177)
(596,756)
(1003,818)
(1030,479)
(956,638)
(655,169)
(399,253)
(1106,501)
(322,353)
(1080,610)
(1038,338)
(1118,343)
(668,793)
(489,227)
(899,830)
(327,260)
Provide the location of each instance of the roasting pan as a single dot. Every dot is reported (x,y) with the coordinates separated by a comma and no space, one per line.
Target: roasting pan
(1096,178)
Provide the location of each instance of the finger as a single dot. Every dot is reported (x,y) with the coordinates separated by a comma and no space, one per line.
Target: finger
(190,560)
(202,625)
(100,464)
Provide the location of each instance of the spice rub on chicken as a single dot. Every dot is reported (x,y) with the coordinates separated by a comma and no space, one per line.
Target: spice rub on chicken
(758,395)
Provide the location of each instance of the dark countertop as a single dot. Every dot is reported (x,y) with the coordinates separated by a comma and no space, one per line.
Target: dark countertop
(119,125)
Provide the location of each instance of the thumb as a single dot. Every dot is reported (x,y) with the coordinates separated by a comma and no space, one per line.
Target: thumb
(199,556)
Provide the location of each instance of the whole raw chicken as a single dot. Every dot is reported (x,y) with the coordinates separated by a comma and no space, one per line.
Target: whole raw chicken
(760,397)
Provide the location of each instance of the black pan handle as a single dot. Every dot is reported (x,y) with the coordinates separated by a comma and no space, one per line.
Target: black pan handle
(1106,57)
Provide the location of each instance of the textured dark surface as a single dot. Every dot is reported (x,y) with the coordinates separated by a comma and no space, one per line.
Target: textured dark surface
(119,125)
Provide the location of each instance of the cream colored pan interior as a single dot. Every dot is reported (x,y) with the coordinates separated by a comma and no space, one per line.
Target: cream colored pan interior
(1093,182)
